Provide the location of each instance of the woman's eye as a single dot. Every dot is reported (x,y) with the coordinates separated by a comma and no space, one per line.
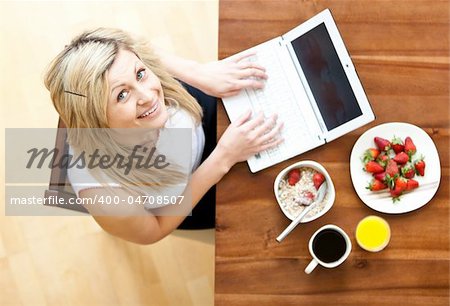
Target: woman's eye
(140,74)
(122,95)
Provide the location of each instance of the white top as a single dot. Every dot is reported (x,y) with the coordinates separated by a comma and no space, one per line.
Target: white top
(178,118)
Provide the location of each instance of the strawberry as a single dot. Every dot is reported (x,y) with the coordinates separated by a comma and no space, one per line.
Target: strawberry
(381,176)
(410,147)
(376,185)
(401,183)
(385,178)
(401,158)
(419,165)
(397,145)
(370,154)
(293,176)
(318,179)
(412,184)
(392,168)
(399,188)
(383,159)
(373,167)
(382,144)
(396,193)
(408,171)
(309,195)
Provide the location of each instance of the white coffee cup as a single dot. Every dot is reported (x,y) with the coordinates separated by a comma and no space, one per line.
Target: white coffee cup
(329,246)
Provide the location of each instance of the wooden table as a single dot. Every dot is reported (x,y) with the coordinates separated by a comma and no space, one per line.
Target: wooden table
(401,52)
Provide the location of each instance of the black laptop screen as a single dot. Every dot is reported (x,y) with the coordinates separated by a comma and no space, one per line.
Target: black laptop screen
(326,77)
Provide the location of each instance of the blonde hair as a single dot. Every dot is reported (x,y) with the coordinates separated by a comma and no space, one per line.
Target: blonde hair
(78,86)
(81,69)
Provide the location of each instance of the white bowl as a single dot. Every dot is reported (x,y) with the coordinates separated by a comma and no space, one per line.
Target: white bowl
(330,190)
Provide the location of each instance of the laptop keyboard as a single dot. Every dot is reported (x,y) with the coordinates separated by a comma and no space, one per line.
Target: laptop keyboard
(277,97)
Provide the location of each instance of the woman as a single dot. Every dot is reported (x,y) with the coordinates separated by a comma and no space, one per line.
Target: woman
(106,79)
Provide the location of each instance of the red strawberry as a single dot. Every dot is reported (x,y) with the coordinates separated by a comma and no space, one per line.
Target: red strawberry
(370,154)
(412,184)
(420,167)
(399,187)
(401,158)
(396,193)
(385,178)
(381,176)
(410,147)
(401,183)
(376,185)
(318,179)
(309,195)
(392,168)
(374,167)
(397,145)
(293,176)
(382,144)
(383,159)
(408,171)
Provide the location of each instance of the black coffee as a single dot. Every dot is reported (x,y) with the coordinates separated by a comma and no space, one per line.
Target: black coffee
(329,245)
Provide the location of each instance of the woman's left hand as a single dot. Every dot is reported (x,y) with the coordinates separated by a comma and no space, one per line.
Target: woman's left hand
(229,76)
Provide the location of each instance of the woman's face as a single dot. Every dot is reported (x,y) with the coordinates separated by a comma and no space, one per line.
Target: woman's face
(136,98)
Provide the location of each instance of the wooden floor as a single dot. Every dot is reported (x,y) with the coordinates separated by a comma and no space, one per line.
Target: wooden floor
(69,260)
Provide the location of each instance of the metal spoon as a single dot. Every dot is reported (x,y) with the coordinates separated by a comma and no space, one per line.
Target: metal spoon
(320,195)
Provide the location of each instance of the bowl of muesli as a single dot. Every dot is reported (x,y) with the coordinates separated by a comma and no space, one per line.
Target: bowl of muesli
(296,187)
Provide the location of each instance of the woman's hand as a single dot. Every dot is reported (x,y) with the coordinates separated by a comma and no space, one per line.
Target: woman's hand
(222,78)
(229,76)
(248,136)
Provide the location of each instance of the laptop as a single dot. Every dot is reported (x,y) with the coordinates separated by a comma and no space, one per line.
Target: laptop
(312,86)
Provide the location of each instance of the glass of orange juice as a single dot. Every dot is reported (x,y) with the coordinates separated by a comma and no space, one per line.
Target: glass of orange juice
(373,233)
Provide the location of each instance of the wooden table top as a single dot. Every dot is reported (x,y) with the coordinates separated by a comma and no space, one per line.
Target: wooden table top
(401,52)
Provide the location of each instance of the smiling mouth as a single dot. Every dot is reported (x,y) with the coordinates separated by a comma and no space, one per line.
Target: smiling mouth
(150,111)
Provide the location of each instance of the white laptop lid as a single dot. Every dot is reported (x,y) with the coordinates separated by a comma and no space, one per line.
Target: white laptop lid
(323,63)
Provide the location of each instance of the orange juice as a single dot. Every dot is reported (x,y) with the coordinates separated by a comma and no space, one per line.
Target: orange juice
(373,233)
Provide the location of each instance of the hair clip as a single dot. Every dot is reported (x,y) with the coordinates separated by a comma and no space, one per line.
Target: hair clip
(74,93)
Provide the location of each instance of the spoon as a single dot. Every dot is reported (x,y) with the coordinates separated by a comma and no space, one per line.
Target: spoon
(320,195)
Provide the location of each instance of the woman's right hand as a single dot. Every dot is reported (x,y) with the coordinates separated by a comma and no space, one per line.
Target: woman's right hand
(248,136)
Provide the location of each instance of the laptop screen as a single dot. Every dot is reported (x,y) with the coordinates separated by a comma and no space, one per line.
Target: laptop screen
(326,77)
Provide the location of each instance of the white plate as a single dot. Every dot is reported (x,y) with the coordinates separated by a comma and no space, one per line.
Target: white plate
(318,167)
(428,184)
